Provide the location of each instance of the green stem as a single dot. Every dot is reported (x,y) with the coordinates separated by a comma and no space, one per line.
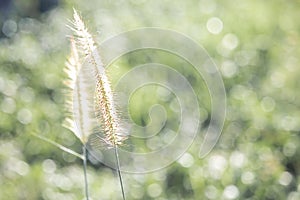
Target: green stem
(119,172)
(84,170)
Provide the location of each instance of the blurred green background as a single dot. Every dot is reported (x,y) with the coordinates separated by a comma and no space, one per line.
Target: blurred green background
(254,43)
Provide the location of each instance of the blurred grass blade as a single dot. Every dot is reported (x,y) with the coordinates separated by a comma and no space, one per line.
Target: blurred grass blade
(65,149)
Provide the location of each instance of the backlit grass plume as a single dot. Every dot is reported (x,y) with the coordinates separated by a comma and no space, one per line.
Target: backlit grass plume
(104,98)
(85,71)
(104,102)
(81,121)
(85,61)
(78,103)
(109,118)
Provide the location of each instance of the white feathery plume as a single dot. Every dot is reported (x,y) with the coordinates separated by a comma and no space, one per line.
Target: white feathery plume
(79,105)
(87,44)
(104,102)
(104,98)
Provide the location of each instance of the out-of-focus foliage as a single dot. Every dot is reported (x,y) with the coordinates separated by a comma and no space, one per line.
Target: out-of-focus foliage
(256,47)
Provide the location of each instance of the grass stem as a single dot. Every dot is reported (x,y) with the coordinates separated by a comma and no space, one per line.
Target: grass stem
(85,169)
(119,171)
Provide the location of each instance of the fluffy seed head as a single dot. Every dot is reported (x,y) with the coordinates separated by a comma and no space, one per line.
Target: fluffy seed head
(109,117)
(104,98)
(78,104)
